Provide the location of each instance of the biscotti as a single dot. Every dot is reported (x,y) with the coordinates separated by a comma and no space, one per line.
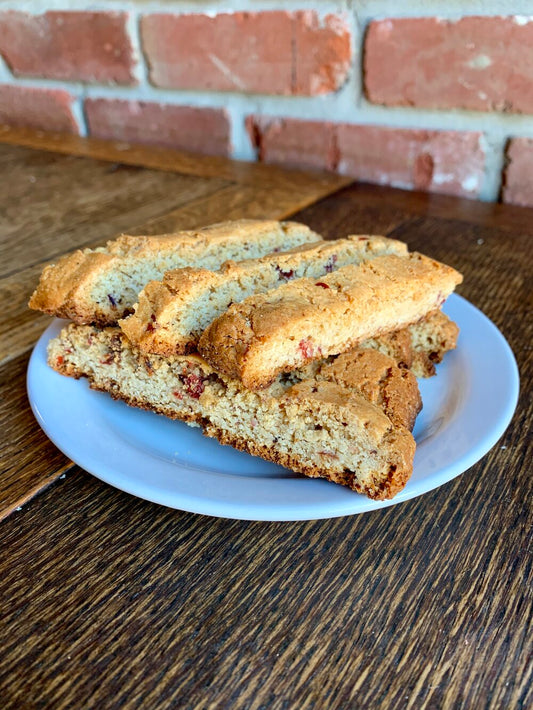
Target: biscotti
(307,319)
(421,345)
(101,285)
(171,314)
(323,427)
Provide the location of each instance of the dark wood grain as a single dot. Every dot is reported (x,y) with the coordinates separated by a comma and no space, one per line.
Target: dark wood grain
(108,601)
(28,459)
(490,214)
(119,603)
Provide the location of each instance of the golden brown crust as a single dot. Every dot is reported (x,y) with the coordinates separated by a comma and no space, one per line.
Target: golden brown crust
(61,284)
(389,486)
(308,319)
(101,285)
(172,313)
(391,388)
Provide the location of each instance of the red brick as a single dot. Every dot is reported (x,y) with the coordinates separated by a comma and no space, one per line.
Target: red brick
(297,144)
(480,63)
(322,53)
(77,46)
(44,109)
(199,130)
(265,52)
(518,175)
(450,162)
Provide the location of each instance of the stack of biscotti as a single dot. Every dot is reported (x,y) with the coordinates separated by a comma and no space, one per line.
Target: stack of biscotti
(277,342)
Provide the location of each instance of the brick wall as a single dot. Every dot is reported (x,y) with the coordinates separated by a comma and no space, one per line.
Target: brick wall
(430,96)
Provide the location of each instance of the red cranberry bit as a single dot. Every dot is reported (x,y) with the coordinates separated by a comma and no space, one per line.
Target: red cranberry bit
(107,360)
(60,360)
(306,348)
(321,283)
(177,395)
(194,385)
(285,274)
(150,328)
(331,263)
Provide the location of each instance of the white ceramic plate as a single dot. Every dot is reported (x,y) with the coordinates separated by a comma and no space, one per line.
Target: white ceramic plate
(467,407)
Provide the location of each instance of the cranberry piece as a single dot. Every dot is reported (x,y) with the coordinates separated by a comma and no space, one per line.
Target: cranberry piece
(306,348)
(194,385)
(321,283)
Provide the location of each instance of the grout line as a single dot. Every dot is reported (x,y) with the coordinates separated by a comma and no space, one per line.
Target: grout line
(367,9)
(133,28)
(78,111)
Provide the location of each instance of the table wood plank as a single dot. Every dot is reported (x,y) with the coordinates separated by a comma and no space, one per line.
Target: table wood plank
(310,185)
(57,203)
(29,461)
(491,214)
(120,603)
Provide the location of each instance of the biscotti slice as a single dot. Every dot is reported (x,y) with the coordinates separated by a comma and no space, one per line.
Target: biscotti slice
(322,430)
(370,372)
(320,427)
(308,319)
(421,345)
(101,285)
(172,314)
(418,348)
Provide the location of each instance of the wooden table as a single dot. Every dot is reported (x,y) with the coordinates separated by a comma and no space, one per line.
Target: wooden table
(109,601)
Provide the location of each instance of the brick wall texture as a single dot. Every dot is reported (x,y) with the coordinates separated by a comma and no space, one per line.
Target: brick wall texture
(425,103)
